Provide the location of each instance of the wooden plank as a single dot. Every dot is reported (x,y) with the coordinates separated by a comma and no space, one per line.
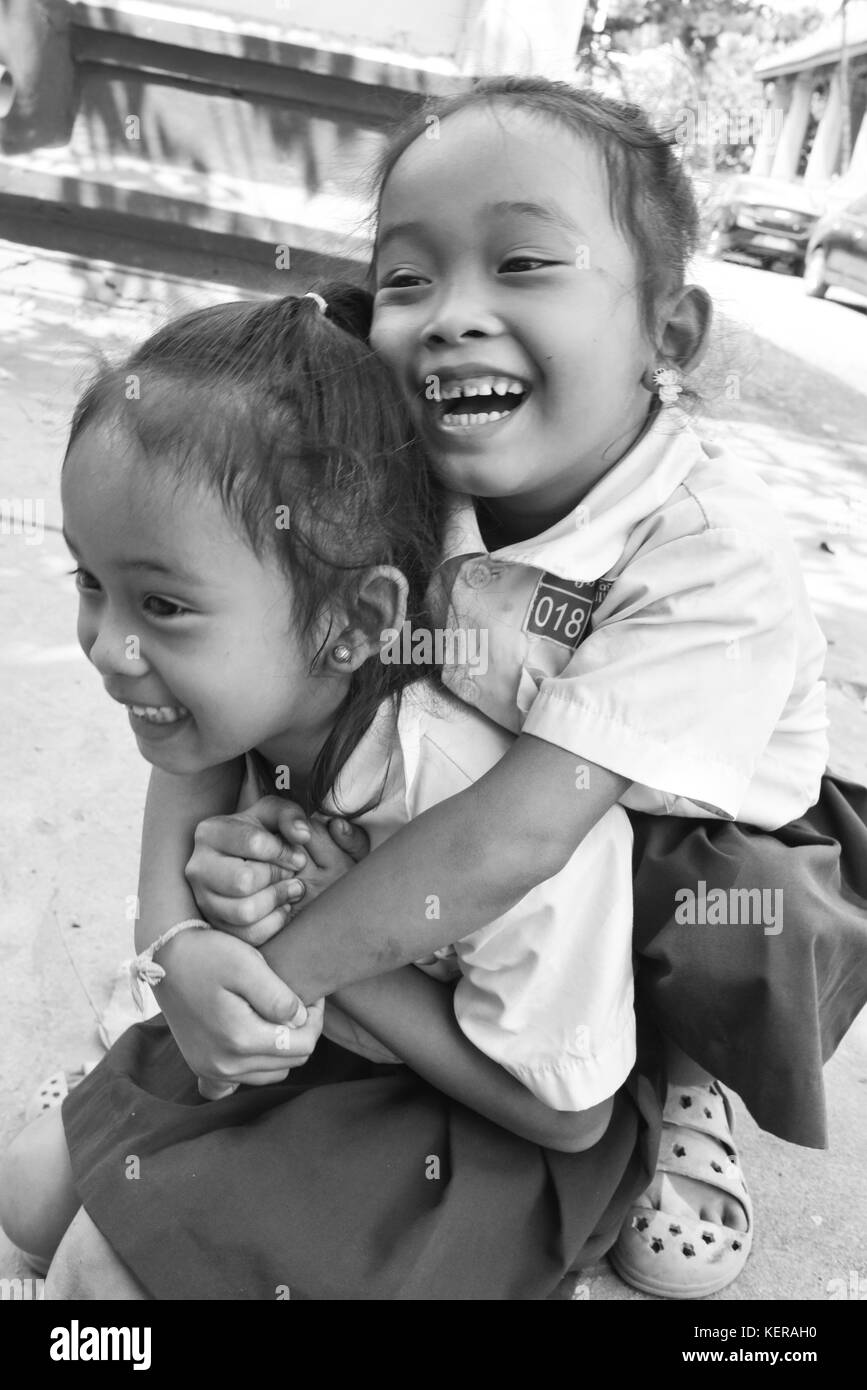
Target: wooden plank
(374,105)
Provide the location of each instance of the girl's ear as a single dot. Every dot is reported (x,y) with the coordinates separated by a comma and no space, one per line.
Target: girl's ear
(380,610)
(686,327)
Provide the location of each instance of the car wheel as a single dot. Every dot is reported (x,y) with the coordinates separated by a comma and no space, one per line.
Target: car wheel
(815,283)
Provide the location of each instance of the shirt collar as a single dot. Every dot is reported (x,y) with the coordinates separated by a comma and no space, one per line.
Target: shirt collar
(586,543)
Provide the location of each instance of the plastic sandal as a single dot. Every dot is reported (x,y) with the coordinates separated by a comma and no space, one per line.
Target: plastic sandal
(682,1256)
(55,1089)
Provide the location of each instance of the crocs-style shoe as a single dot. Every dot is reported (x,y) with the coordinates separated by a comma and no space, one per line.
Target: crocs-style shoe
(55,1089)
(682,1256)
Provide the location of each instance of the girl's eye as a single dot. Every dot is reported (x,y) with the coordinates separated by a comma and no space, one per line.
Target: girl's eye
(519,264)
(163,607)
(84,580)
(402,280)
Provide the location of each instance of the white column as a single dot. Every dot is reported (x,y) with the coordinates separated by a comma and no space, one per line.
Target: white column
(826,146)
(772,125)
(791,139)
(522,37)
(857,172)
(7,92)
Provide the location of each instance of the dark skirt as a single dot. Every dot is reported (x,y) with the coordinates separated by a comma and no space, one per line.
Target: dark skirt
(346,1181)
(762,1010)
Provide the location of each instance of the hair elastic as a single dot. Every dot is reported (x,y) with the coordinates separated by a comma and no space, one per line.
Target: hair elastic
(323,303)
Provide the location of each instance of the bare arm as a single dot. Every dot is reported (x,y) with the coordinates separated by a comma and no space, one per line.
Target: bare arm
(452,870)
(413,1015)
(221,1000)
(173,809)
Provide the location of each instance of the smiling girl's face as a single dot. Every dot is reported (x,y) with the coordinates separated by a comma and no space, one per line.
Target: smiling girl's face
(188,627)
(504,286)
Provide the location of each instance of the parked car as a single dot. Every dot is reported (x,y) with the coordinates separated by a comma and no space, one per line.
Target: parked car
(770,219)
(837,251)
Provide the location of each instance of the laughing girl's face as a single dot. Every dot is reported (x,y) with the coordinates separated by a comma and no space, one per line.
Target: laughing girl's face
(190,629)
(507,304)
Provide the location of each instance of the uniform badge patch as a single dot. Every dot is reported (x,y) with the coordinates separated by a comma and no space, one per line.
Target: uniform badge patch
(561,609)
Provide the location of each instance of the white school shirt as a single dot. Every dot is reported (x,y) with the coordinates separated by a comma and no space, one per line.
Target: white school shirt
(662,629)
(546,989)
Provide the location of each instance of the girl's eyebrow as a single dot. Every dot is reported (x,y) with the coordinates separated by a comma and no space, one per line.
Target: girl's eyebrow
(549,212)
(398,229)
(158,566)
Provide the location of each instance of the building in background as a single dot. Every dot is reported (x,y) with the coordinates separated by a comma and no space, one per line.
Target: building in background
(820,83)
(231,128)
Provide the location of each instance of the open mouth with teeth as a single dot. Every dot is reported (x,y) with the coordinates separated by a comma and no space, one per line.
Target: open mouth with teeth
(158,714)
(480,400)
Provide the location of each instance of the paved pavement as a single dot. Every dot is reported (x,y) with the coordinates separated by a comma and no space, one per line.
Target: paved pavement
(70,817)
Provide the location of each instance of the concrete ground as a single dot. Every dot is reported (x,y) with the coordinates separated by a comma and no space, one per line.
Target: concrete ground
(70,816)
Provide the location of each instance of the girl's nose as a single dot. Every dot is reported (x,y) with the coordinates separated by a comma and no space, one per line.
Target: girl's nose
(461,314)
(113,651)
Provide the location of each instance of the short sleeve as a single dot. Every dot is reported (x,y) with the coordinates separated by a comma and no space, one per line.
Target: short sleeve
(681,683)
(547,989)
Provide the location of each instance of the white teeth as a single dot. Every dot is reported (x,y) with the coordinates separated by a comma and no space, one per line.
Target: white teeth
(159,714)
(479,386)
(484,418)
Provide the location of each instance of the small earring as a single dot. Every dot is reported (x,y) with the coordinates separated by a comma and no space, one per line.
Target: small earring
(666,380)
(341,653)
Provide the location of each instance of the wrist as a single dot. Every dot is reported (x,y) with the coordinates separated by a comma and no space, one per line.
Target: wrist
(144,968)
(308,983)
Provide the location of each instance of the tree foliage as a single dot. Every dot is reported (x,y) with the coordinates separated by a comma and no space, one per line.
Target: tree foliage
(672,55)
(694,25)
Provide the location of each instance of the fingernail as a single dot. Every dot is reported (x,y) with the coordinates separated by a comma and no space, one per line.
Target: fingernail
(300,828)
(298,859)
(294,889)
(300,1018)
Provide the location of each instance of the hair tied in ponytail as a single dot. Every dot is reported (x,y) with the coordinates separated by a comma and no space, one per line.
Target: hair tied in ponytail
(320,302)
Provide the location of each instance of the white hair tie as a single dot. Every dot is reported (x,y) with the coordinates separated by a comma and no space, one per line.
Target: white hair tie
(323,304)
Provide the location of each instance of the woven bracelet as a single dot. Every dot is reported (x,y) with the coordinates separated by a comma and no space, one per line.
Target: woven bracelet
(144,970)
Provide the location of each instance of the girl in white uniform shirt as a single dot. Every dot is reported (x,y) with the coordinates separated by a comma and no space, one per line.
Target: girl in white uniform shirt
(509,1146)
(647,636)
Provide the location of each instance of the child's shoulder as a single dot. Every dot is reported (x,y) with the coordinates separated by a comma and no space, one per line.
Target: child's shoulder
(445,744)
(722,500)
(416,752)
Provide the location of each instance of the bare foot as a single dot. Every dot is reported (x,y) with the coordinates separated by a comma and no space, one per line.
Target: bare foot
(689,1197)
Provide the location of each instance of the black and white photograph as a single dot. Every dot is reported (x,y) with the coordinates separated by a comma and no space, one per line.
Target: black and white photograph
(433,571)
